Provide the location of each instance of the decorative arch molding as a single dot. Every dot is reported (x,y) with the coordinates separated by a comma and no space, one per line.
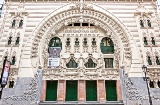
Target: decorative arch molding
(71,13)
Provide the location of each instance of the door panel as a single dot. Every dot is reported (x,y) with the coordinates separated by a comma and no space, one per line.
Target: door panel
(91,90)
(71,90)
(51,92)
(111,94)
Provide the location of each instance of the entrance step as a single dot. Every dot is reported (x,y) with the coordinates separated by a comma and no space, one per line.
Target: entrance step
(76,103)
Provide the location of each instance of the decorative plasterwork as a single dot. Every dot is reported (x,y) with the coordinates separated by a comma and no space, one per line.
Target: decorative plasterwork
(154,74)
(82,73)
(105,20)
(20,11)
(142,11)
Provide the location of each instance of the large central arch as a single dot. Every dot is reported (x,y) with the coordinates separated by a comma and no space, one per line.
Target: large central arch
(82,13)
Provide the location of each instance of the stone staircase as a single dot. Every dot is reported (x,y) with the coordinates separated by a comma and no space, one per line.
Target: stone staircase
(76,103)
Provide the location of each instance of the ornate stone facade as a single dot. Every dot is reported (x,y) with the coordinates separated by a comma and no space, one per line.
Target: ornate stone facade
(133,27)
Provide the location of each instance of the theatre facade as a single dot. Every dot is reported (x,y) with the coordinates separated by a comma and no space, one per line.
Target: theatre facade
(80,52)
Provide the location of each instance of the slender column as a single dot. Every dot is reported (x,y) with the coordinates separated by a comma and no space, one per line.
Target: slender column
(119,90)
(61,91)
(43,93)
(81,91)
(101,91)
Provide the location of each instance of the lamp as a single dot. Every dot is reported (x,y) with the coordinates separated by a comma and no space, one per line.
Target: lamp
(144,68)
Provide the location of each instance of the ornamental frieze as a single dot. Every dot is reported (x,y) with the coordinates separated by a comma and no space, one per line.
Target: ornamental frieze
(80,73)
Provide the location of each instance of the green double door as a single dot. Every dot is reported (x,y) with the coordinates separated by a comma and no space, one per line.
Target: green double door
(71,90)
(91,90)
(111,94)
(51,91)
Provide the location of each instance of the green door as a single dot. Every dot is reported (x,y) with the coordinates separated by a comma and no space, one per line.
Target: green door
(111,94)
(71,90)
(51,92)
(91,90)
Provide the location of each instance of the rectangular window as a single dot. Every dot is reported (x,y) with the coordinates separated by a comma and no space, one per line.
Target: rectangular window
(71,90)
(108,62)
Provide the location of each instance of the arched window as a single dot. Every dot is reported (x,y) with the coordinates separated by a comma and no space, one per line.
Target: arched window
(149,60)
(149,23)
(55,42)
(90,64)
(107,46)
(9,40)
(13,60)
(76,42)
(141,23)
(157,60)
(153,40)
(151,84)
(68,42)
(14,23)
(145,41)
(21,23)
(72,64)
(17,40)
(94,42)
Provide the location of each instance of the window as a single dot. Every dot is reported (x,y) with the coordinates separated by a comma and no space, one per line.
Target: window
(13,60)
(9,40)
(157,60)
(21,23)
(90,64)
(17,40)
(153,41)
(108,62)
(11,84)
(76,42)
(72,64)
(141,23)
(149,60)
(94,42)
(151,84)
(1,6)
(145,41)
(107,46)
(55,42)
(13,23)
(68,42)
(85,42)
(84,24)
(149,23)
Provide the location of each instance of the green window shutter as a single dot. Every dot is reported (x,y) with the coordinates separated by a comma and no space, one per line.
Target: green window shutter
(71,90)
(111,94)
(91,90)
(51,92)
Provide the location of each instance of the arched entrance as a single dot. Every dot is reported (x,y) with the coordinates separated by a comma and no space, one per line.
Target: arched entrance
(94,45)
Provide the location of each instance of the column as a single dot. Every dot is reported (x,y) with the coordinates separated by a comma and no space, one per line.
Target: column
(43,91)
(81,91)
(61,91)
(101,91)
(119,90)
